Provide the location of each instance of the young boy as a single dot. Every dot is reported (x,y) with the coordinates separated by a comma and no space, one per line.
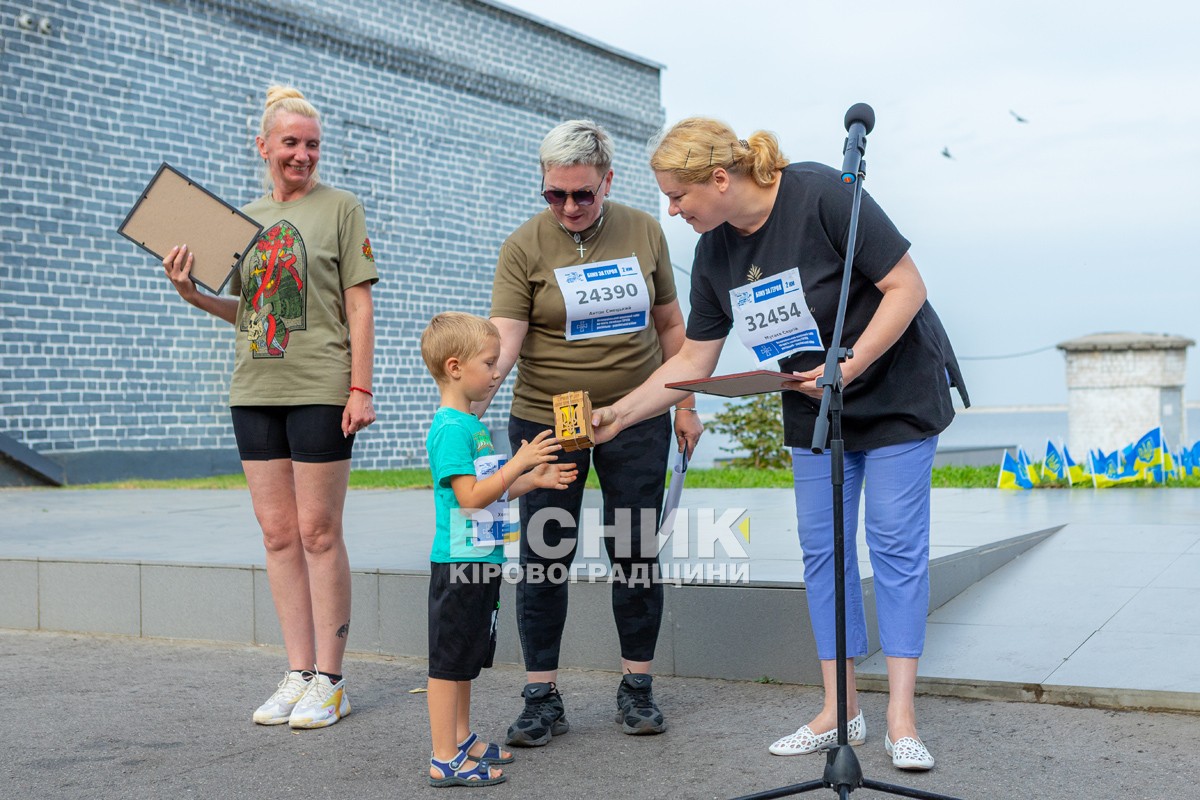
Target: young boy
(461,351)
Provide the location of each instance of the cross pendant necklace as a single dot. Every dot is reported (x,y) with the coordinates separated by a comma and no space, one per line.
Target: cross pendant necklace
(579,240)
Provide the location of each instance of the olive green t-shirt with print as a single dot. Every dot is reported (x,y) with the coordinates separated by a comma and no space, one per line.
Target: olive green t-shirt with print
(293,340)
(525,288)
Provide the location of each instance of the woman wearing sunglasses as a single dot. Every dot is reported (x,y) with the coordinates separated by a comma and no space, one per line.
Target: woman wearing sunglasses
(584,299)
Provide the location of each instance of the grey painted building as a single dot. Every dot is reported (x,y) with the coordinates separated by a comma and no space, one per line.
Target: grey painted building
(433,110)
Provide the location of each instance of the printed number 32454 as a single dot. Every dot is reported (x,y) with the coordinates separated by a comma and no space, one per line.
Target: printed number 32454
(773,317)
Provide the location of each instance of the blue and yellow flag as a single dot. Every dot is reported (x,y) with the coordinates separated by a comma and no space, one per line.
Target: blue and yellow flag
(1117,467)
(1170,465)
(1187,462)
(1106,470)
(1031,472)
(1128,461)
(1053,468)
(1148,456)
(1012,474)
(1075,472)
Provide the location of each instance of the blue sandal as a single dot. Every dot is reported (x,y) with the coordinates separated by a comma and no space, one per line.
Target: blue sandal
(454,774)
(491,754)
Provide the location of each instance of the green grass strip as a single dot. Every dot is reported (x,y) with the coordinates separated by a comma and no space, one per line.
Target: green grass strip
(951,477)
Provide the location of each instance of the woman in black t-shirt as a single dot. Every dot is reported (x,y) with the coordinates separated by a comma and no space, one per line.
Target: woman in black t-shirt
(769,265)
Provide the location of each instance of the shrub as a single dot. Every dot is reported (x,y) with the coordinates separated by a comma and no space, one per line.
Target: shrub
(757,427)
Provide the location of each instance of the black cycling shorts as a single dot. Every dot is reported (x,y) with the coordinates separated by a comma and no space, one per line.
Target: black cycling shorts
(311,434)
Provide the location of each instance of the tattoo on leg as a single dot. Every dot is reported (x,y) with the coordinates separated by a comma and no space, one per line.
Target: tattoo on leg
(342,631)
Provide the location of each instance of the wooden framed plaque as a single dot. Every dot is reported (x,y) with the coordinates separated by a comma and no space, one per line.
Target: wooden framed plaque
(173,209)
(573,420)
(742,384)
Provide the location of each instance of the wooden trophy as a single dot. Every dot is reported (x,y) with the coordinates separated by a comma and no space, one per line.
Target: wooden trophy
(573,420)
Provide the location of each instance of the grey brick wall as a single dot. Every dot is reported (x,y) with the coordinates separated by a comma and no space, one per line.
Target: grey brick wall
(433,110)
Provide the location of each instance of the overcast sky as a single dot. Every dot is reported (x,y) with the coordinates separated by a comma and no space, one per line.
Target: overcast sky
(1084,219)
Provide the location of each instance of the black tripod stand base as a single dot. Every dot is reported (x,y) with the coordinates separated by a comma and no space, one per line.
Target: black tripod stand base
(784,791)
(843,774)
(842,769)
(904,791)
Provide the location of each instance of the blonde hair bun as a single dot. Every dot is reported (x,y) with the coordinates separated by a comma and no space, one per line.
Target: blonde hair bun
(279,92)
(693,148)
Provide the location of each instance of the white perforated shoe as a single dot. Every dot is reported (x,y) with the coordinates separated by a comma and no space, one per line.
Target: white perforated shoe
(908,753)
(278,708)
(804,741)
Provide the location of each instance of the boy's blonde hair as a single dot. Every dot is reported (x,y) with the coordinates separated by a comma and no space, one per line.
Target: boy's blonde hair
(453,334)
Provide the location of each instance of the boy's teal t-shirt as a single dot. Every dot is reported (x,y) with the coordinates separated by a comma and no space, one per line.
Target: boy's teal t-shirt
(455,440)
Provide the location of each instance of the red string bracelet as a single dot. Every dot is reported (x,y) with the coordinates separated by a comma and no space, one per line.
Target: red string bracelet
(367,392)
(503,483)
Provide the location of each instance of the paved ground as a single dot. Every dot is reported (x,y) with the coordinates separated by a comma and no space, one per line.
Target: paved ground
(95,717)
(1108,606)
(1111,601)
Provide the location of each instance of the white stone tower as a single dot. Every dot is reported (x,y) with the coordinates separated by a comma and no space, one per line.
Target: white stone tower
(1120,385)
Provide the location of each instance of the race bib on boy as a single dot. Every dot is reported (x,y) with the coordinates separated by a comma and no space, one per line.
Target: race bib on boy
(497,523)
(772,318)
(604,298)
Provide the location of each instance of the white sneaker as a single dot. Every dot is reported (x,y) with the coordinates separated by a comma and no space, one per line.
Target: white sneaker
(278,708)
(323,704)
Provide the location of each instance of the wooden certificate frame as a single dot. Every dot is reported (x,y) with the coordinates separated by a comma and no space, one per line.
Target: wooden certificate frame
(742,384)
(173,209)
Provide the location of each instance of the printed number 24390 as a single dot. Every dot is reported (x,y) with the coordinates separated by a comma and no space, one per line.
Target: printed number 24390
(603,294)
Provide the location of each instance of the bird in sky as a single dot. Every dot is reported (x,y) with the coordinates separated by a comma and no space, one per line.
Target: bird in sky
(1017,116)
(946,152)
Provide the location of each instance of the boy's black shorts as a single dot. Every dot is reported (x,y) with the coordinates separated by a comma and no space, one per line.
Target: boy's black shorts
(464,601)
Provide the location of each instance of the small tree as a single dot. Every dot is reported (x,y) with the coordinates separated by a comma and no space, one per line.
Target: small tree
(757,426)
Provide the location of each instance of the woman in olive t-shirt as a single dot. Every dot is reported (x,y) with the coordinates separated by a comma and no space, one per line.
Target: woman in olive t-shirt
(301,389)
(585,300)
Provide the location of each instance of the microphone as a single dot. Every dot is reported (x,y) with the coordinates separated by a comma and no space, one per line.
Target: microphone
(860,120)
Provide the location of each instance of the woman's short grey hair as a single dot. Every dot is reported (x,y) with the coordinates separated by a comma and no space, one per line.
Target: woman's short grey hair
(577,141)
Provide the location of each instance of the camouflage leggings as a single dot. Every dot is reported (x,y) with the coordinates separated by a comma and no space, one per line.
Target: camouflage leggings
(632,470)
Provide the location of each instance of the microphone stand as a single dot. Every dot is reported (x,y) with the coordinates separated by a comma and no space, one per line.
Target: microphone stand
(842,773)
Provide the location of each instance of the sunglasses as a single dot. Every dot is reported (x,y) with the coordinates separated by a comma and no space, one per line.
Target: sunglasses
(582,197)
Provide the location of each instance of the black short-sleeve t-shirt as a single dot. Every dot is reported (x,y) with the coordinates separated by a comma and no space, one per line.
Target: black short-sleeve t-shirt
(904,395)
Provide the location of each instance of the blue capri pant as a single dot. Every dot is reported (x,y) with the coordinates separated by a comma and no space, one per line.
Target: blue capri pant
(897,480)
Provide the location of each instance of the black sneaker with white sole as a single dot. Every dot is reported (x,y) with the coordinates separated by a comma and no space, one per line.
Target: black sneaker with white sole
(636,711)
(542,718)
